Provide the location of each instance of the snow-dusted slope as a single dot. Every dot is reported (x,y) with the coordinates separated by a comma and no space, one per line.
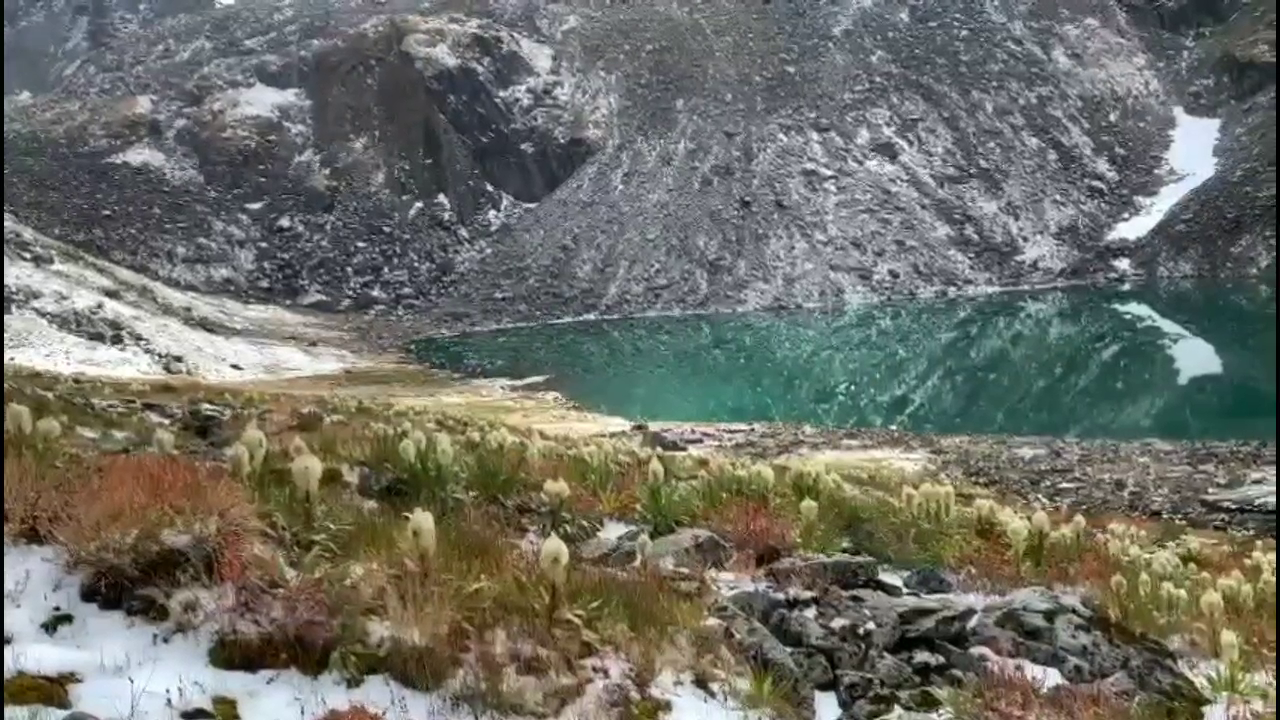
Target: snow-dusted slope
(67,312)
(523,161)
(469,162)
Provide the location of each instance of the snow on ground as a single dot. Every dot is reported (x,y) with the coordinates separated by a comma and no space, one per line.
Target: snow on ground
(1190,159)
(258,101)
(61,289)
(128,673)
(1192,355)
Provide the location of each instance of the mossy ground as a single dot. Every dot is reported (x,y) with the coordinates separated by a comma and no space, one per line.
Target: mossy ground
(335,584)
(45,690)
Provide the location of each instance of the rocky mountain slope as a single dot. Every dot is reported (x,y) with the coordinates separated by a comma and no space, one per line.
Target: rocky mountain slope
(68,312)
(500,161)
(1226,226)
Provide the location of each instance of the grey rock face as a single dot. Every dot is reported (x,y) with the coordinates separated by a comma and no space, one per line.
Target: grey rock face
(563,159)
(691,547)
(338,161)
(521,161)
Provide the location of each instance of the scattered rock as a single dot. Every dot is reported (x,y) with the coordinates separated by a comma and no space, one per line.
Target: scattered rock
(845,572)
(1251,505)
(206,421)
(381,484)
(692,547)
(878,651)
(619,551)
(929,581)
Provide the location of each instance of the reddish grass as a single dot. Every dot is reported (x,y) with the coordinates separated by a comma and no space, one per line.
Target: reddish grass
(1014,696)
(752,526)
(35,496)
(987,566)
(128,493)
(355,712)
(622,495)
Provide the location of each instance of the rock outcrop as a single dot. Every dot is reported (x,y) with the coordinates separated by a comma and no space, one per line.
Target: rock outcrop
(840,623)
(509,161)
(879,647)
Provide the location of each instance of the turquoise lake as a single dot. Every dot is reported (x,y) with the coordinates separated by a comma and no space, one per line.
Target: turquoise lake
(1171,361)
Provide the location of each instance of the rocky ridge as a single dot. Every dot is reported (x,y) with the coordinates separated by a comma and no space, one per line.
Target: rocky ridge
(481,163)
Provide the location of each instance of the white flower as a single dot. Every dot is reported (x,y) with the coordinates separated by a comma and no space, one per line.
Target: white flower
(162,441)
(808,510)
(656,470)
(1228,646)
(419,439)
(255,441)
(17,419)
(443,449)
(556,491)
(408,451)
(307,470)
(239,461)
(1041,523)
(48,428)
(554,559)
(643,545)
(422,531)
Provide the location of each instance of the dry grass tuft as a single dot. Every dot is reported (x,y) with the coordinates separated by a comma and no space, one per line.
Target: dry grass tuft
(1011,695)
(355,712)
(752,526)
(130,502)
(482,582)
(990,567)
(35,496)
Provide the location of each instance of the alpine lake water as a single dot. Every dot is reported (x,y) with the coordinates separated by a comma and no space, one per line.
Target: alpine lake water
(1171,361)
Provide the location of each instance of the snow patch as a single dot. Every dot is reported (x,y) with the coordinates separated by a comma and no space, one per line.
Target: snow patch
(1192,355)
(127,672)
(1043,677)
(259,101)
(288,106)
(691,703)
(145,155)
(826,706)
(1189,159)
